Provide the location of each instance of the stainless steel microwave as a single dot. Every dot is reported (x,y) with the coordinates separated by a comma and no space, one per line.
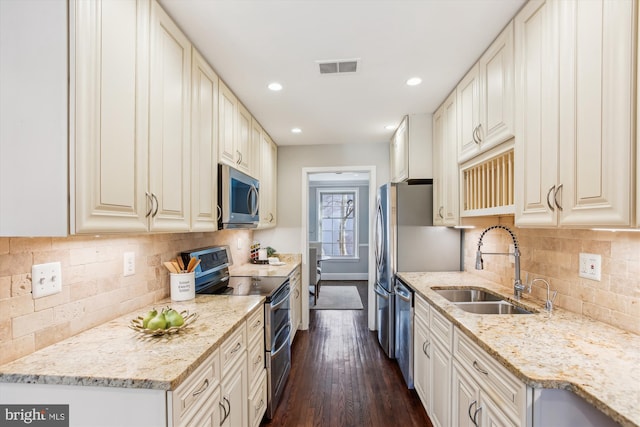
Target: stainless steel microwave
(239,197)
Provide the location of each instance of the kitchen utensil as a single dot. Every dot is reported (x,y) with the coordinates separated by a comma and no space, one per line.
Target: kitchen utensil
(193,263)
(180,263)
(169,266)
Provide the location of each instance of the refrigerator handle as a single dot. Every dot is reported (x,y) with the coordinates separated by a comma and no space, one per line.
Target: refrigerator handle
(380,293)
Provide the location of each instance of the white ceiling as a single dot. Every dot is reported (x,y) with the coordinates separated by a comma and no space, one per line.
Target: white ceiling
(251,43)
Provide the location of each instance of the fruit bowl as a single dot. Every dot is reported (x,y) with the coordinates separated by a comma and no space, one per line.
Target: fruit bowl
(137,325)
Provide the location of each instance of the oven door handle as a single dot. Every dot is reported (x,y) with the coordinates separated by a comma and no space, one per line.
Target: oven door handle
(285,343)
(285,299)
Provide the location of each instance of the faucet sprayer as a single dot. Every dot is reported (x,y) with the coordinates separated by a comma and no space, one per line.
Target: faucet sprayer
(518,287)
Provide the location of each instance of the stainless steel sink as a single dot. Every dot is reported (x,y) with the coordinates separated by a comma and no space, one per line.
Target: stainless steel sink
(494,307)
(467,295)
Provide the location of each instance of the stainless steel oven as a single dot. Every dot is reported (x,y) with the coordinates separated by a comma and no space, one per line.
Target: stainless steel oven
(277,345)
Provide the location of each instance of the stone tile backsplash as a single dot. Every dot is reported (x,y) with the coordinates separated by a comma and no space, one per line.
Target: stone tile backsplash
(94,289)
(553,254)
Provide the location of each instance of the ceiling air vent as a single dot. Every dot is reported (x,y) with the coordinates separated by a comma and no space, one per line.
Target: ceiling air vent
(338,66)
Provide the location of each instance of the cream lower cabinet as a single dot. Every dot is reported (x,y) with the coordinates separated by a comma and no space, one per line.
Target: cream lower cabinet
(234,384)
(574,141)
(432,362)
(257,372)
(296,300)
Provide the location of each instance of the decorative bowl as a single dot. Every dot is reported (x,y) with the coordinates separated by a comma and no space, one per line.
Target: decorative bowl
(189,318)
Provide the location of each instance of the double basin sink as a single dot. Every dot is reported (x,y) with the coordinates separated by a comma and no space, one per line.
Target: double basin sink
(479,301)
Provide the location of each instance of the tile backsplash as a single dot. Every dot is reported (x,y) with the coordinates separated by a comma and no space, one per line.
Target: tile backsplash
(553,254)
(94,289)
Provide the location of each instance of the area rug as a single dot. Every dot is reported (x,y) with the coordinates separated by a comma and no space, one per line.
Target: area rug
(338,298)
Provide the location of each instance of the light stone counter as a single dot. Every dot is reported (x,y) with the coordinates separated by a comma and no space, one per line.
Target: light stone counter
(597,362)
(112,355)
(290,263)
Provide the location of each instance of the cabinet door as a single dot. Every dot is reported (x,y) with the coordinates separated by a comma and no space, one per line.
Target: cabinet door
(109,115)
(228,105)
(597,60)
(268,182)
(211,414)
(421,363)
(464,397)
(440,385)
(243,140)
(450,176)
(490,414)
(399,153)
(438,166)
(204,146)
(169,124)
(536,143)
(235,395)
(468,92)
(497,96)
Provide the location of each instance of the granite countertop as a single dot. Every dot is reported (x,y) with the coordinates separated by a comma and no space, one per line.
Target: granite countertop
(562,350)
(291,261)
(113,355)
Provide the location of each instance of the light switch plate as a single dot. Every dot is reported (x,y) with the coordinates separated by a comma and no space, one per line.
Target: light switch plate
(129,268)
(46,279)
(590,266)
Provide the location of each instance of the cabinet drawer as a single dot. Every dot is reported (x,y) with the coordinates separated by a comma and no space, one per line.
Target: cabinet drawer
(502,386)
(441,328)
(233,347)
(194,392)
(258,401)
(256,361)
(255,326)
(421,309)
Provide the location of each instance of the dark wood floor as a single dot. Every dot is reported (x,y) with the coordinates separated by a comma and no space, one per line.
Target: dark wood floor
(341,377)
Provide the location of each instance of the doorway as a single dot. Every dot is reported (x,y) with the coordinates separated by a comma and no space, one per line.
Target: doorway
(351,249)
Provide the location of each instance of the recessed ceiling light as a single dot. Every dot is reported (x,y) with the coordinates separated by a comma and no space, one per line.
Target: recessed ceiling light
(414,81)
(390,127)
(275,86)
(296,130)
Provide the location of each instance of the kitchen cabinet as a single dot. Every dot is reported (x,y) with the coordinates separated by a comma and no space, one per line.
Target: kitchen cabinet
(574,130)
(486,98)
(446,190)
(432,361)
(234,384)
(268,177)
(204,145)
(109,113)
(33,123)
(169,124)
(234,131)
(484,390)
(296,300)
(410,145)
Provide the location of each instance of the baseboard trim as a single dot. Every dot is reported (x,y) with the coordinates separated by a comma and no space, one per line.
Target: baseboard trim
(345,276)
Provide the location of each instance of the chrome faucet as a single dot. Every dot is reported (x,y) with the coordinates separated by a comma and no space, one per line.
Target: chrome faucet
(518,287)
(548,305)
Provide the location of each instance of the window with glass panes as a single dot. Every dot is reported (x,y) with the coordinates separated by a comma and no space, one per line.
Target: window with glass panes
(338,222)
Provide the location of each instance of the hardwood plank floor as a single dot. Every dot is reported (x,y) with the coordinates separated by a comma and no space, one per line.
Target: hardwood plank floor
(341,377)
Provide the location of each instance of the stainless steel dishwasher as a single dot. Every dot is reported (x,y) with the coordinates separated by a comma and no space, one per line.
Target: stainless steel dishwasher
(404,330)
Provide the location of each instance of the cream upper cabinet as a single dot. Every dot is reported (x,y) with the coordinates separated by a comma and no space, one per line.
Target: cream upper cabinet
(445,166)
(109,110)
(234,131)
(574,140)
(268,182)
(411,149)
(486,98)
(169,124)
(204,145)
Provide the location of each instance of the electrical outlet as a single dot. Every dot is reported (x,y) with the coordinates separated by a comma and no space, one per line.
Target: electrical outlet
(590,266)
(46,279)
(239,244)
(129,263)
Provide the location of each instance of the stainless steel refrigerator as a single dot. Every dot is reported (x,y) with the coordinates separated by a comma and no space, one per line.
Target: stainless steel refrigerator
(406,240)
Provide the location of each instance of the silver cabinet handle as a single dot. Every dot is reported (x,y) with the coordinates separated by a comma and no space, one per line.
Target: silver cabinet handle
(555,197)
(203,388)
(425,348)
(219,212)
(479,132)
(479,368)
(259,406)
(258,360)
(257,324)
(239,157)
(475,402)
(440,212)
(155,212)
(476,135)
(150,202)
(270,217)
(553,187)
(236,348)
(475,416)
(224,408)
